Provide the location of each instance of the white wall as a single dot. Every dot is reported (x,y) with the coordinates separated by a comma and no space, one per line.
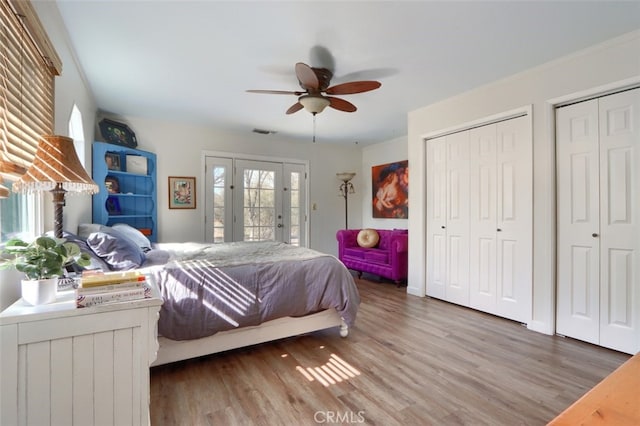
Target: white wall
(613,63)
(70,88)
(179,148)
(375,155)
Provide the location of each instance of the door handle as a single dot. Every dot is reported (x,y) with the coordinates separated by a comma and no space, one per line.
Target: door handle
(280,225)
(499,230)
(442,226)
(594,235)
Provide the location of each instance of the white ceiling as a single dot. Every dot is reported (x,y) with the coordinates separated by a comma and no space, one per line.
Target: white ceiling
(193,60)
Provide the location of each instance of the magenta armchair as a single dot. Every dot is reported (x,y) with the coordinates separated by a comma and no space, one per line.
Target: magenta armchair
(387,259)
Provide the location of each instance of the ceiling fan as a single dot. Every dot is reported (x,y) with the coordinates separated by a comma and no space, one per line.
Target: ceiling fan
(315,82)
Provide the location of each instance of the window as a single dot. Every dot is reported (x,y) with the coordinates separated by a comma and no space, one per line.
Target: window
(20,216)
(28,65)
(76,132)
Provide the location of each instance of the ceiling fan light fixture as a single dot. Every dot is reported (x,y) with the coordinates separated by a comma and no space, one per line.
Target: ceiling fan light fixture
(314,104)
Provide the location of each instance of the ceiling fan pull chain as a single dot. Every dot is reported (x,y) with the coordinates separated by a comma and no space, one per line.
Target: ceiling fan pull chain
(314,127)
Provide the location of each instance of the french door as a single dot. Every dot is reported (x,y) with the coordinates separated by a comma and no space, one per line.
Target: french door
(255,200)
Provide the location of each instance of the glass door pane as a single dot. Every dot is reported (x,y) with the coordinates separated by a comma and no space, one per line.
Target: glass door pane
(260,203)
(218,200)
(295,204)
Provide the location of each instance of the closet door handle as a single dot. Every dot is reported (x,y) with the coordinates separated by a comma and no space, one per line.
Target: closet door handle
(499,230)
(594,235)
(442,226)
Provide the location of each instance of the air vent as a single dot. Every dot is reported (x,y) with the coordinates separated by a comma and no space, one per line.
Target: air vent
(264,131)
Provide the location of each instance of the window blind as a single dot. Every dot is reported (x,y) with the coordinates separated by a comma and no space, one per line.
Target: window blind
(28,65)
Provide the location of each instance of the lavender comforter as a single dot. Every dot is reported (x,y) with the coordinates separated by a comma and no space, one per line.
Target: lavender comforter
(208,288)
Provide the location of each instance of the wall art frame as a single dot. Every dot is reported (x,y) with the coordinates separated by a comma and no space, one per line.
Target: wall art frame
(182,192)
(390,190)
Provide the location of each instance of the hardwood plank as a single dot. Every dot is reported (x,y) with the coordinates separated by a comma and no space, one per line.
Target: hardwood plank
(419,361)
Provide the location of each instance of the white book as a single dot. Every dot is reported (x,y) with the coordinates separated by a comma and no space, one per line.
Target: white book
(93,299)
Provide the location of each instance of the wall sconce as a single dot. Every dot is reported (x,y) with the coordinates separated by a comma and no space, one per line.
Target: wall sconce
(346,188)
(56,168)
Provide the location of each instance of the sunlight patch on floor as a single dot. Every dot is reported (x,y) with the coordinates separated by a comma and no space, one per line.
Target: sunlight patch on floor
(335,370)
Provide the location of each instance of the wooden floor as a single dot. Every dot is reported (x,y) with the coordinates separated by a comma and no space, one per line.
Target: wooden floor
(408,361)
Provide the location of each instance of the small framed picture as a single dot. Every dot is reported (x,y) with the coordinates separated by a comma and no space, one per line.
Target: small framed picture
(182,192)
(112,160)
(112,184)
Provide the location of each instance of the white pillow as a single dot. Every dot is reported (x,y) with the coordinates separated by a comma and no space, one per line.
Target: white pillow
(133,234)
(368,238)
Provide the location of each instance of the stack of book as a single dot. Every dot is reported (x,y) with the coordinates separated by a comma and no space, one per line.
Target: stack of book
(99,288)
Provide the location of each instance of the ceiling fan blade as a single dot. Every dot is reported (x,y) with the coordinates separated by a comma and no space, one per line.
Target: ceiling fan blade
(353,87)
(341,104)
(308,79)
(294,108)
(276,92)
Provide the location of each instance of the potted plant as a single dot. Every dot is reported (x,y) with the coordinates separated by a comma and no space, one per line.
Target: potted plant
(43,262)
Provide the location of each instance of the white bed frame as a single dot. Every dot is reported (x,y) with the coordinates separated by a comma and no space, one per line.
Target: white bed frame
(173,350)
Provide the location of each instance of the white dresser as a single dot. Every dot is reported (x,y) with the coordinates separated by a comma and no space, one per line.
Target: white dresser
(66,366)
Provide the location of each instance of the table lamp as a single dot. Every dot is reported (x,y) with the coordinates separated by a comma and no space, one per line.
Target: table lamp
(56,168)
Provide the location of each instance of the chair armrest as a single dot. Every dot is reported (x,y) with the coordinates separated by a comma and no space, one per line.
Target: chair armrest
(399,255)
(346,238)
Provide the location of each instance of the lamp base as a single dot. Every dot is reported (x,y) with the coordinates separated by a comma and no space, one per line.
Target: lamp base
(58,203)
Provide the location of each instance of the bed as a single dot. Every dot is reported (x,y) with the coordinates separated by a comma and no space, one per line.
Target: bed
(218,297)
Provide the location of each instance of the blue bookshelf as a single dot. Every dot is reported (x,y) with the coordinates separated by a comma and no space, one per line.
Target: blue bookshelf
(126,196)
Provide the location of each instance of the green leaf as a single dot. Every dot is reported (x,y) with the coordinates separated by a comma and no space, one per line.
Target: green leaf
(46,242)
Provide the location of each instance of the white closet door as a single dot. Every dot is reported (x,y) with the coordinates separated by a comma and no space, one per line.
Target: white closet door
(479,218)
(483,218)
(598,157)
(457,223)
(514,235)
(436,216)
(501,219)
(578,204)
(620,221)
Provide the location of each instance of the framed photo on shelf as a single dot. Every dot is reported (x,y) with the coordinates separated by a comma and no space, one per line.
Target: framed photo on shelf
(112,184)
(113,161)
(182,192)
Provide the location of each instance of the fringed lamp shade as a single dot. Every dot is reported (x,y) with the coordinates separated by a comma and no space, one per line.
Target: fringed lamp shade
(56,168)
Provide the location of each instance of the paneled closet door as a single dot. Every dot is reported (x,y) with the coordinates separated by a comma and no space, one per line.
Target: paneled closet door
(501,219)
(620,221)
(483,218)
(457,211)
(598,156)
(448,218)
(436,216)
(578,228)
(514,229)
